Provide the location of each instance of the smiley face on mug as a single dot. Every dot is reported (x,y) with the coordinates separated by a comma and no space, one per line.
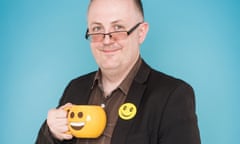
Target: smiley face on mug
(86,121)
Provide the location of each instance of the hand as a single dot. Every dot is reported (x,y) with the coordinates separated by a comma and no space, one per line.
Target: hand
(57,122)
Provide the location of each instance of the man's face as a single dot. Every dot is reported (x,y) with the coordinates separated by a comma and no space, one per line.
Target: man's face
(106,16)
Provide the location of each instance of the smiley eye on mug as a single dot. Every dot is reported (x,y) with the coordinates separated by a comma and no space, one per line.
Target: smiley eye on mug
(80,115)
(72,115)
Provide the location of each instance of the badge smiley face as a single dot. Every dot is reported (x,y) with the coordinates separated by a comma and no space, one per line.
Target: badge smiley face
(85,121)
(127,111)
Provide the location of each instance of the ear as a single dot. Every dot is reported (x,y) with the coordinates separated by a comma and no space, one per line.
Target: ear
(143,30)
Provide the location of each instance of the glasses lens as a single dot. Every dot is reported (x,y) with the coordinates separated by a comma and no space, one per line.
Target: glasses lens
(120,35)
(96,37)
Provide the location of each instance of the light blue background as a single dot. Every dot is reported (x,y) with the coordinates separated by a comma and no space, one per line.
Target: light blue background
(42,48)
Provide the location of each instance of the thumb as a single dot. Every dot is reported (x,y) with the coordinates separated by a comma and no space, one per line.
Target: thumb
(65,106)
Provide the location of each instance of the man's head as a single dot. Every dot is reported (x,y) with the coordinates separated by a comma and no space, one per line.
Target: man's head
(106,16)
(138,4)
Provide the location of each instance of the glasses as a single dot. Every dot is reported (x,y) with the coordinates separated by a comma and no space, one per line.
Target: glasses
(116,35)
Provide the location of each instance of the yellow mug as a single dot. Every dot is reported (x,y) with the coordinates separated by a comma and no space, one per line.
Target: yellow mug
(86,121)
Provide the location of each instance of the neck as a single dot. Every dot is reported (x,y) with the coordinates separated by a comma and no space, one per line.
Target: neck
(111,79)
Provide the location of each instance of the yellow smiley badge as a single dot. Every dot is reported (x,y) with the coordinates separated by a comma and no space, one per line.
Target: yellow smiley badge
(127,111)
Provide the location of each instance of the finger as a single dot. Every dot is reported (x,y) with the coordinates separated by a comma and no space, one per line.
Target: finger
(60,113)
(66,105)
(67,136)
(59,123)
(55,114)
(58,130)
(62,136)
(61,129)
(56,121)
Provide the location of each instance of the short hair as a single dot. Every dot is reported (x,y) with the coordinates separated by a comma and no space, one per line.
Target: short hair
(138,4)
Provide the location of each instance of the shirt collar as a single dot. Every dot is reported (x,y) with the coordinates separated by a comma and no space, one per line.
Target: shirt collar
(125,84)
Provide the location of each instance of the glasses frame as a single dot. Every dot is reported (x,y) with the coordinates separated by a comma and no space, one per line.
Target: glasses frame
(87,34)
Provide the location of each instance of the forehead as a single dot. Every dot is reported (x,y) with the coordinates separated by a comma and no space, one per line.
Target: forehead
(107,11)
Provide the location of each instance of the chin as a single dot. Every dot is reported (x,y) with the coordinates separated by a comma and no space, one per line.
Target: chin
(109,66)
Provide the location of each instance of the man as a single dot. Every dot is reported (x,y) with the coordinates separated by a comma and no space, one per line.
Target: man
(165,107)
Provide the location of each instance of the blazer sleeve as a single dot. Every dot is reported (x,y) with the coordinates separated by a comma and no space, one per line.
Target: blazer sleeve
(179,123)
(44,134)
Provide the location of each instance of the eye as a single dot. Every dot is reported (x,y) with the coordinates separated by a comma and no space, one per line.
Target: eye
(72,115)
(131,109)
(80,115)
(96,29)
(118,27)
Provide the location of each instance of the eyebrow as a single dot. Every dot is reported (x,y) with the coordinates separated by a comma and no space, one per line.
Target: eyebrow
(96,23)
(116,21)
(113,22)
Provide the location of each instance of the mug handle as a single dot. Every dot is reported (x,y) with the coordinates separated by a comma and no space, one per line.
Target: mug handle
(67,109)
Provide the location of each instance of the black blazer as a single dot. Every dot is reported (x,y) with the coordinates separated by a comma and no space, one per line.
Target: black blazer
(165,110)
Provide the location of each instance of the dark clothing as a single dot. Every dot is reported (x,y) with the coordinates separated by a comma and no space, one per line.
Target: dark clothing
(165,110)
(111,103)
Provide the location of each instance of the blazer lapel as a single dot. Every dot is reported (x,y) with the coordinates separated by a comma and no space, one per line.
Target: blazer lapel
(135,96)
(85,88)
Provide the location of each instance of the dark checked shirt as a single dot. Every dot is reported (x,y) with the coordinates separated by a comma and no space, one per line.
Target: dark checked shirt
(111,103)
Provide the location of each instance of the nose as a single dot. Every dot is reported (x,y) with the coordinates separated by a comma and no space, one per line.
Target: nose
(107,39)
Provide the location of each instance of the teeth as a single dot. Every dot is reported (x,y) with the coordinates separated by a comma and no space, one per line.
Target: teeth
(78,124)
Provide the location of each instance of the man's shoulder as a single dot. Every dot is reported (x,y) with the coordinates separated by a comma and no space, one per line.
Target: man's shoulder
(83,79)
(158,79)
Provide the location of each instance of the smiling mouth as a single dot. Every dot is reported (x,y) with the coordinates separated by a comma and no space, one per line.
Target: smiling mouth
(77,125)
(125,115)
(111,50)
